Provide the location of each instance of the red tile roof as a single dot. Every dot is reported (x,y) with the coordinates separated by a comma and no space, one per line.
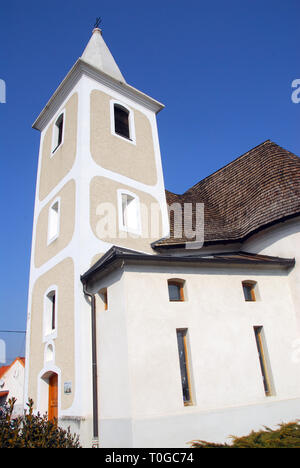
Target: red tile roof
(257,189)
(4,369)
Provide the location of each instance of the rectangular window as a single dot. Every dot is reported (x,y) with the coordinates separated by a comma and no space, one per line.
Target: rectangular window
(53,301)
(249,291)
(50,313)
(121,121)
(261,348)
(175,291)
(184,366)
(53,227)
(130,213)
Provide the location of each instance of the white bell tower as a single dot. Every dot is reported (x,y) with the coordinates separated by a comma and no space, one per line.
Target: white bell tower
(99,183)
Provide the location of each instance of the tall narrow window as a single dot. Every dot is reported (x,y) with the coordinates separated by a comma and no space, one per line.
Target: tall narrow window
(58,132)
(50,313)
(261,348)
(121,121)
(176,293)
(53,227)
(184,366)
(53,306)
(249,290)
(130,212)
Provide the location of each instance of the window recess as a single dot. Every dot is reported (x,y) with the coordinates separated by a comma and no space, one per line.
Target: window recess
(263,359)
(182,341)
(121,116)
(58,132)
(249,290)
(176,290)
(53,222)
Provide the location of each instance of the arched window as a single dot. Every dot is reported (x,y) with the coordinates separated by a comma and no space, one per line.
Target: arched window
(176,290)
(121,116)
(49,354)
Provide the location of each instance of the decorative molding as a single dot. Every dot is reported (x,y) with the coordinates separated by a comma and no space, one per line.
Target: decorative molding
(82,68)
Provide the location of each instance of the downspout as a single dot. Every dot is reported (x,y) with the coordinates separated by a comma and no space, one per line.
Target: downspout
(94,367)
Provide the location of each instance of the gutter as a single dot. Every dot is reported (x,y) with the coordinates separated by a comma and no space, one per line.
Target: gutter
(94,367)
(114,258)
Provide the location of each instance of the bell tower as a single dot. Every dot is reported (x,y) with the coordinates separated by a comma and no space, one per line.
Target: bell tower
(99,184)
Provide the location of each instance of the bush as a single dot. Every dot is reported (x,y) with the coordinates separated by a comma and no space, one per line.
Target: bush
(32,431)
(287,436)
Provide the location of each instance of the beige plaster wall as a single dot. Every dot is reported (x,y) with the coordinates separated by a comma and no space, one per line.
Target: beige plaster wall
(104,193)
(117,154)
(55,166)
(43,251)
(62,275)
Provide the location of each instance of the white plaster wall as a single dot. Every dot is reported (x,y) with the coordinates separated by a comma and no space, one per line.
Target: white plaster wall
(224,359)
(140,395)
(281,240)
(14,384)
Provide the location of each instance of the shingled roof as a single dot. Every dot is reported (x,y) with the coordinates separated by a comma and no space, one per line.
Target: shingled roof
(255,190)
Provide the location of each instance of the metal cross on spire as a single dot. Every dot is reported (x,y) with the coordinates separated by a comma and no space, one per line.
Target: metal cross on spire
(98,22)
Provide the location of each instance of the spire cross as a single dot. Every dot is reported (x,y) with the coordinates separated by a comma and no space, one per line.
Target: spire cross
(98,22)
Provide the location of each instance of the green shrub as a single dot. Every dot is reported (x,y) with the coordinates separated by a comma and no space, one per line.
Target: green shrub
(286,436)
(32,431)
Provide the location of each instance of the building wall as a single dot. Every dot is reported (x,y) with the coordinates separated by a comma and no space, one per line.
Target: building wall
(224,360)
(71,174)
(14,384)
(134,159)
(281,240)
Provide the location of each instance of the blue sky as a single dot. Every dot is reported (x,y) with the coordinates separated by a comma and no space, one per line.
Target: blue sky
(223,69)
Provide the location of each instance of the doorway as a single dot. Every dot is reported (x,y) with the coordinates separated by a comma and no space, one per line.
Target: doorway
(53,397)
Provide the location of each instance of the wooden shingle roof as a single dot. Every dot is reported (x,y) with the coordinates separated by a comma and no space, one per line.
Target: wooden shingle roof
(257,189)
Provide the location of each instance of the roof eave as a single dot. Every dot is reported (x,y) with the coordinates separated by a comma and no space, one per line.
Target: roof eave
(115,257)
(81,67)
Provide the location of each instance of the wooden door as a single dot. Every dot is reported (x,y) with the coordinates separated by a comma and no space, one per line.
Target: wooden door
(53,397)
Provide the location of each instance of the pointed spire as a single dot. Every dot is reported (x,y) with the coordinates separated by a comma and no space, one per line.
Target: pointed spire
(98,55)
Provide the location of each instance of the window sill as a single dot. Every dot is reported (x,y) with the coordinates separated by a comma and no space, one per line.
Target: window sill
(55,149)
(53,239)
(50,336)
(124,138)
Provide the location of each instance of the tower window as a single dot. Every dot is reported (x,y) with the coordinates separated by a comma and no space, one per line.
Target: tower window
(50,312)
(58,132)
(249,290)
(121,121)
(176,290)
(130,214)
(184,366)
(53,222)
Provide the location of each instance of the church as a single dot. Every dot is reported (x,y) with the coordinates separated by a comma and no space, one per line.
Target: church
(156,318)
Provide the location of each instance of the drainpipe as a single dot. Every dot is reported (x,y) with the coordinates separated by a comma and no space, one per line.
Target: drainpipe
(94,367)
